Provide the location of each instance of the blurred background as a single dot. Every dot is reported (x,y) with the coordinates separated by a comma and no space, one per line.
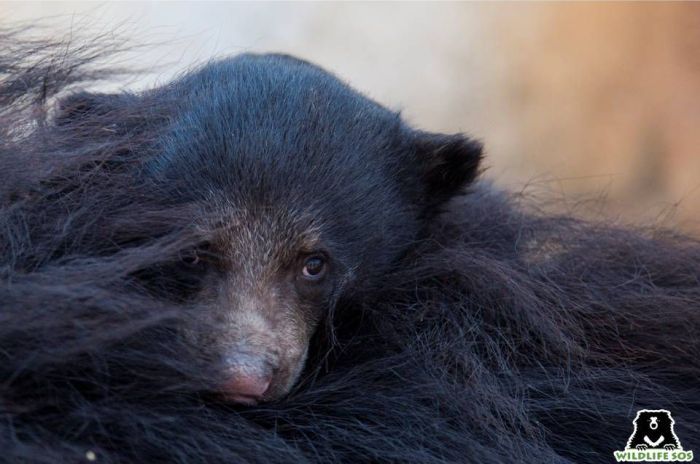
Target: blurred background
(595,103)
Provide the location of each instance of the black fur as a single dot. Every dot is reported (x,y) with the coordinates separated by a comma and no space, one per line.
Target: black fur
(477,330)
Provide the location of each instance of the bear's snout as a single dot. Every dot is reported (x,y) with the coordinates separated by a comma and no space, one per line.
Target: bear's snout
(247,379)
(654,424)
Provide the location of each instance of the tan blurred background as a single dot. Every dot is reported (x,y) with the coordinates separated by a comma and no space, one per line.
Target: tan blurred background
(577,100)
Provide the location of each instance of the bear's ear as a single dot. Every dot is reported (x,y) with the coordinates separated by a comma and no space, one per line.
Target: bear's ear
(448,164)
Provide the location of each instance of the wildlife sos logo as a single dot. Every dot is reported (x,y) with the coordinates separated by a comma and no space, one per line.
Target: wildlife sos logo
(653,440)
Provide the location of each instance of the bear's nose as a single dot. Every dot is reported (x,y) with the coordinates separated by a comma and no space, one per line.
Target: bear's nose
(245,388)
(247,379)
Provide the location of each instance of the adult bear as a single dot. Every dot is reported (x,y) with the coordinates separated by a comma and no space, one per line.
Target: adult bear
(254,263)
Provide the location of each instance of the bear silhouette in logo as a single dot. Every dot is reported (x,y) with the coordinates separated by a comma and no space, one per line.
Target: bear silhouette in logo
(653,428)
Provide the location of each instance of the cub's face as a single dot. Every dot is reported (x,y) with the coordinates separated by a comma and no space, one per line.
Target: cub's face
(270,278)
(311,192)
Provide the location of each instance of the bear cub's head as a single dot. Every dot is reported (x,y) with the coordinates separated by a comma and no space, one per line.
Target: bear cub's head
(309,192)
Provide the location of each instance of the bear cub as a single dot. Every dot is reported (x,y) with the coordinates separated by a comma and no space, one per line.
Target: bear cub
(308,192)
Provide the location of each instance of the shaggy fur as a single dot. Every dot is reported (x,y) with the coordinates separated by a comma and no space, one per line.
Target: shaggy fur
(503,335)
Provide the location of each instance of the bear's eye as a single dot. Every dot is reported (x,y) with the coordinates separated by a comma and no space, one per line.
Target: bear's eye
(190,257)
(314,268)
